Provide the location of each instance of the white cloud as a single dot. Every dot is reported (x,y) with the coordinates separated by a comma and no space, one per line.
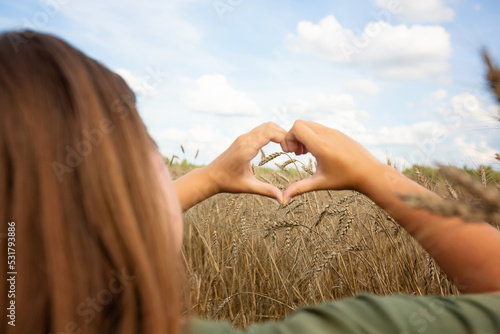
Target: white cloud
(136,31)
(424,142)
(462,109)
(340,112)
(214,95)
(409,143)
(138,84)
(337,111)
(171,135)
(445,79)
(397,160)
(439,94)
(477,153)
(396,52)
(494,110)
(363,86)
(323,39)
(321,103)
(411,134)
(433,11)
(203,137)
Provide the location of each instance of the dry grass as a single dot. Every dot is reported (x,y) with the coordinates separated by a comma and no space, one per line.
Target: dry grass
(249,259)
(483,203)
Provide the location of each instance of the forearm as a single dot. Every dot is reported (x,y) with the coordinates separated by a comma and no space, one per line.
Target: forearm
(195,186)
(469,253)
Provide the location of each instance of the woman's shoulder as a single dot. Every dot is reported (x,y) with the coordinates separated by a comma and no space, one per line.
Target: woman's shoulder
(380,314)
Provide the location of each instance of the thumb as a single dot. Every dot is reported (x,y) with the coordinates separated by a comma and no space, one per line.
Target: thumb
(265,189)
(312,183)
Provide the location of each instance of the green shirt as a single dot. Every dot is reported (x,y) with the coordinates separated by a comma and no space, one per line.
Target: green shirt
(367,313)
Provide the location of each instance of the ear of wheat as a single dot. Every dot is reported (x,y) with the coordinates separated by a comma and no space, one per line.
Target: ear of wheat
(422,179)
(286,163)
(493,75)
(270,157)
(452,208)
(490,195)
(308,170)
(451,190)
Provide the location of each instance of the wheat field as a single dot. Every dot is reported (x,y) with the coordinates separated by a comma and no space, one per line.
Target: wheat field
(248,259)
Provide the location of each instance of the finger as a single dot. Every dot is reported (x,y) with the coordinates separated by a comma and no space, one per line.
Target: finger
(284,147)
(312,183)
(294,146)
(260,137)
(266,133)
(277,127)
(302,149)
(289,146)
(290,143)
(301,138)
(265,189)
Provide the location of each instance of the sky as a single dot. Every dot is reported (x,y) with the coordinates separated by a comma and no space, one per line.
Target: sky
(405,78)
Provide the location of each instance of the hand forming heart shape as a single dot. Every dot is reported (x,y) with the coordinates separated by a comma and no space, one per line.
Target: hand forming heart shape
(342,163)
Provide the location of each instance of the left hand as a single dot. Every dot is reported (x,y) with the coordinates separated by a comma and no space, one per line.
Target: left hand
(231,170)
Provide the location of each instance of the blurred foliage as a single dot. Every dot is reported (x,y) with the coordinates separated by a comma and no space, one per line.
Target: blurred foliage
(492,176)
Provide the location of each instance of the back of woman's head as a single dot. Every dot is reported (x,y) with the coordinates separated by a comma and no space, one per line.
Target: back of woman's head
(93,249)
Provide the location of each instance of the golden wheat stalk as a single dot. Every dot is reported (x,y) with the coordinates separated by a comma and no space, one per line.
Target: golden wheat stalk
(286,163)
(308,170)
(244,228)
(448,208)
(490,195)
(345,221)
(234,251)
(422,179)
(332,255)
(288,230)
(493,75)
(270,157)
(451,190)
(215,244)
(431,266)
(322,215)
(482,172)
(281,177)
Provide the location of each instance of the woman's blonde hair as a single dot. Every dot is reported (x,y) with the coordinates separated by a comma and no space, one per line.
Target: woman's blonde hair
(93,248)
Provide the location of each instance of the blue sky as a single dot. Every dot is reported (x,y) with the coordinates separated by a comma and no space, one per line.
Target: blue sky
(403,77)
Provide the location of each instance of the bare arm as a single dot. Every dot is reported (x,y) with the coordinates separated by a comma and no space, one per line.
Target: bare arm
(195,187)
(469,253)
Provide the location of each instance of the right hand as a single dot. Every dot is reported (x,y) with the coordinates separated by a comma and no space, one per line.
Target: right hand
(342,163)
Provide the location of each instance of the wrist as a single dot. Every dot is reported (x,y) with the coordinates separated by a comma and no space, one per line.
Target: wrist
(207,177)
(386,184)
(378,176)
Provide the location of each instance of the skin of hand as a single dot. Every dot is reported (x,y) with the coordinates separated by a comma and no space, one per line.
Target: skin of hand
(231,171)
(342,163)
(468,252)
